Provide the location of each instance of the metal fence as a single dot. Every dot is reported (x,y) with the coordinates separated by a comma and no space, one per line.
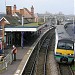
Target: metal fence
(9,58)
(3,65)
(6,60)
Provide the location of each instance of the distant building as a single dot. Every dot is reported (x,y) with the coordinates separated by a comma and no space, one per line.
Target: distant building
(43,17)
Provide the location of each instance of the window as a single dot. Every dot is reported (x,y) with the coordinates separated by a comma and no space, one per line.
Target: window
(65,45)
(61,45)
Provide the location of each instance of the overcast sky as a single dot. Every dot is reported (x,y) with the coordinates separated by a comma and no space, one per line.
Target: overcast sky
(41,6)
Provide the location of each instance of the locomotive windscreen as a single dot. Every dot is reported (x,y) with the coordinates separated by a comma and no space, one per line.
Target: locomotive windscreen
(65,45)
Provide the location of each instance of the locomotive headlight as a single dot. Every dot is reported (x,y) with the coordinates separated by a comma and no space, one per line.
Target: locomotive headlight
(70,54)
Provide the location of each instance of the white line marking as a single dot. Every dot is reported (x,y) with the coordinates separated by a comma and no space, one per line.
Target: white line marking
(29,52)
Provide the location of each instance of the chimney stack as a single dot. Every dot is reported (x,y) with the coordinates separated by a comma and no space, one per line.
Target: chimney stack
(14,8)
(32,10)
(8,10)
(22,11)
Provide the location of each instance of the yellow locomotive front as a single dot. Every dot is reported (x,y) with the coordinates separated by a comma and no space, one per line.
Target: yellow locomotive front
(64,52)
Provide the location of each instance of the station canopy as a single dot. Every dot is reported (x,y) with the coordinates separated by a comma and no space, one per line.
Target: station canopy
(27,27)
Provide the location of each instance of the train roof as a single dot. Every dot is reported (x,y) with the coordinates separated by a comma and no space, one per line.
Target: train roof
(66,40)
(61,33)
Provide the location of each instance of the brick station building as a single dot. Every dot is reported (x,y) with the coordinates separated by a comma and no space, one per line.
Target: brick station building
(13,18)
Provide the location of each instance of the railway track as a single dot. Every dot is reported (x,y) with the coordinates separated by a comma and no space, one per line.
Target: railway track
(42,59)
(38,59)
(37,64)
(65,69)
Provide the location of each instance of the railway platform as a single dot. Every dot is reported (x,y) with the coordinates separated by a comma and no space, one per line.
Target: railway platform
(11,68)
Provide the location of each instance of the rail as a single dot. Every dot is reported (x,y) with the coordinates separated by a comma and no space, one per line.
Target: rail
(45,61)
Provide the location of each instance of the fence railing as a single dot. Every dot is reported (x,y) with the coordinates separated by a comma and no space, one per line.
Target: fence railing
(9,58)
(6,60)
(3,65)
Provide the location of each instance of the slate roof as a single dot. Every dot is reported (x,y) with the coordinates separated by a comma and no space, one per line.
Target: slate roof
(18,14)
(28,16)
(1,15)
(13,20)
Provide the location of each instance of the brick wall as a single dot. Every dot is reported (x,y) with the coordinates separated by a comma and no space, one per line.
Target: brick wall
(22,11)
(8,10)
